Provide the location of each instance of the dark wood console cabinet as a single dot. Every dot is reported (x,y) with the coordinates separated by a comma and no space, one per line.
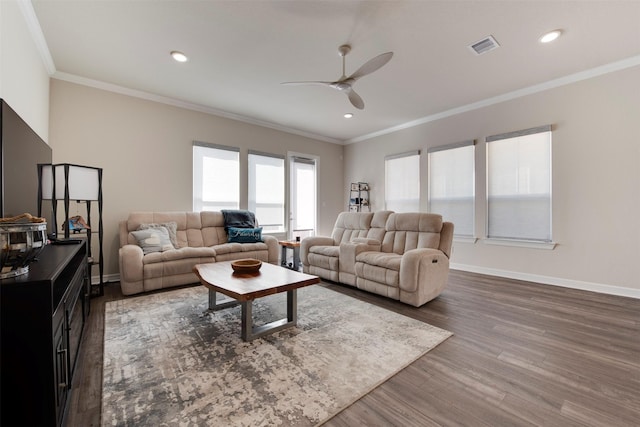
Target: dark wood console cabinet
(42,317)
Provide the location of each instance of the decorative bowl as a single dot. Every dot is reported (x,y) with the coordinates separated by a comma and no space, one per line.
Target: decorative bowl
(20,244)
(246,265)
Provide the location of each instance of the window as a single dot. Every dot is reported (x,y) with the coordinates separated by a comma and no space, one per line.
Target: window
(303,195)
(452,185)
(402,182)
(216,177)
(266,190)
(519,185)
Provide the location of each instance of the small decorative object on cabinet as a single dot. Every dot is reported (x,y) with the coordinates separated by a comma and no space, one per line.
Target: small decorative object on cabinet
(42,317)
(68,182)
(359,197)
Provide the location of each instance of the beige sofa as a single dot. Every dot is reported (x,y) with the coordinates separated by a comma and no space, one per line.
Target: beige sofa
(406,259)
(320,255)
(200,237)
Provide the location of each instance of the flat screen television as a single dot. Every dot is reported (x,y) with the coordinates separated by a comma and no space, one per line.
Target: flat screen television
(21,150)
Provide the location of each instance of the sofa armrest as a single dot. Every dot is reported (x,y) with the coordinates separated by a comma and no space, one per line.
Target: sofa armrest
(272,248)
(350,250)
(446,238)
(131,269)
(419,267)
(123,233)
(310,241)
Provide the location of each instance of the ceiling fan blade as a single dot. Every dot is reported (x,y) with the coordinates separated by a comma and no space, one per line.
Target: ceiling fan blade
(345,84)
(372,65)
(356,100)
(307,83)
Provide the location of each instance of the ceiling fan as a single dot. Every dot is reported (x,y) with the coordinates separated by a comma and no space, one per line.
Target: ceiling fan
(345,84)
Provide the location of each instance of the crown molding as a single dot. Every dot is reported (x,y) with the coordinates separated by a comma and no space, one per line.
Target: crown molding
(633,61)
(186,105)
(26,7)
(37,35)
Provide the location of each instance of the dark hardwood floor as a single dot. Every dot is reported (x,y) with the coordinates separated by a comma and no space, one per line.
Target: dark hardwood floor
(522,354)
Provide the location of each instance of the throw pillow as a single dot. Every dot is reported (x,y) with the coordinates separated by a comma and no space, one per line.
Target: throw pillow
(244,235)
(172,228)
(154,239)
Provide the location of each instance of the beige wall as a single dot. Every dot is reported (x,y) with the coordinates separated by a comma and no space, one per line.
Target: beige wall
(144,148)
(24,80)
(596,180)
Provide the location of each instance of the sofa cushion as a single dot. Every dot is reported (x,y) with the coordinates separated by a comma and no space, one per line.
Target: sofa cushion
(153,240)
(327,263)
(378,223)
(380,259)
(227,248)
(350,225)
(177,254)
(380,267)
(411,230)
(324,258)
(186,221)
(332,251)
(171,226)
(375,274)
(244,235)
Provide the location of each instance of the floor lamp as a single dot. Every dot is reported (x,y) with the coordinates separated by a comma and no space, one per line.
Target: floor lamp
(68,182)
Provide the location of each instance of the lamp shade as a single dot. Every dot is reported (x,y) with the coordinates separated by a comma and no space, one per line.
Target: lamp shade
(83,181)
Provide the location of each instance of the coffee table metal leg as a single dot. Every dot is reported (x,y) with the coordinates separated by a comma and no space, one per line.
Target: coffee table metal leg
(246,329)
(250,332)
(292,307)
(215,305)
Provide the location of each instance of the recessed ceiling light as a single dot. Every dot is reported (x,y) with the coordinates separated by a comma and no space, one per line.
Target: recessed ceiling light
(179,56)
(550,36)
(348,115)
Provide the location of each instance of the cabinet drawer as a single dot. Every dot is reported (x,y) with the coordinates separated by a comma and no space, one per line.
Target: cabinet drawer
(74,311)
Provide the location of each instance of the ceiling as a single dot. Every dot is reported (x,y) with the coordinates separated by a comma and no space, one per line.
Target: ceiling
(240,51)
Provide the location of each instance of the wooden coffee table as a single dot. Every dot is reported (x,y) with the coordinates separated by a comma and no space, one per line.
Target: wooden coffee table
(244,288)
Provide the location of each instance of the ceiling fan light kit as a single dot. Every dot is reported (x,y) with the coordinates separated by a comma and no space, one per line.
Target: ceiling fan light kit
(345,84)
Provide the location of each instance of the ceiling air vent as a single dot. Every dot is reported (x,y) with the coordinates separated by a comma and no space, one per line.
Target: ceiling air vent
(484,45)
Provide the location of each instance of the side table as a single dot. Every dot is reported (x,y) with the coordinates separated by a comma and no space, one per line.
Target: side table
(295,246)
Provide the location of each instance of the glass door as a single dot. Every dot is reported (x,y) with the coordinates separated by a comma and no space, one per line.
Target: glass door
(302,197)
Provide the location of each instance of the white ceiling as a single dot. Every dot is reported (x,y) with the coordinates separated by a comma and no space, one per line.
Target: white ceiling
(240,51)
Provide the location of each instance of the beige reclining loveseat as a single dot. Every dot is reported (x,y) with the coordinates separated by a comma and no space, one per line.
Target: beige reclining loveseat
(320,255)
(407,259)
(200,237)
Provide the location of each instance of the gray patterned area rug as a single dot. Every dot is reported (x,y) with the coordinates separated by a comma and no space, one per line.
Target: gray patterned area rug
(167,362)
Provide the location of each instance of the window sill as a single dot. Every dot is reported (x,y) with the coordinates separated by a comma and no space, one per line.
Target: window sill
(520,243)
(465,239)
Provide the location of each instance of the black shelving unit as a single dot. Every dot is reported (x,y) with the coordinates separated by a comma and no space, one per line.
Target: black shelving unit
(48,174)
(359,197)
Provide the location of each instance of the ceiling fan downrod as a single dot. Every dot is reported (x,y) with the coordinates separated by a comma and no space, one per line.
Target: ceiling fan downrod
(343,51)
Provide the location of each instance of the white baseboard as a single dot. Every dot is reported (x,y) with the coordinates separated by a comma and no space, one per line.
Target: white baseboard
(95,280)
(547,280)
